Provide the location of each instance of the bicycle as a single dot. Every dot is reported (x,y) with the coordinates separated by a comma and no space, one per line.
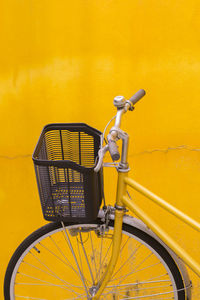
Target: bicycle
(92,253)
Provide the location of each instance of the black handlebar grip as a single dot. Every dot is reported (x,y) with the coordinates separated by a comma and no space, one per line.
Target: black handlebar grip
(113,149)
(137,96)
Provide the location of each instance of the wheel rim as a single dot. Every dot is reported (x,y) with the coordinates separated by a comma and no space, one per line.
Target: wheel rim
(141,273)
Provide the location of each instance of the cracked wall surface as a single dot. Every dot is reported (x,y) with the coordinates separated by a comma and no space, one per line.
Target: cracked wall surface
(65,61)
(150,151)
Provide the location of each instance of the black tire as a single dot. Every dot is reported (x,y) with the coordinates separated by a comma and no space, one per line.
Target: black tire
(137,233)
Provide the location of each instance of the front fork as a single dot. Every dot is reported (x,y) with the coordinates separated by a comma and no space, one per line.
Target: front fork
(117,235)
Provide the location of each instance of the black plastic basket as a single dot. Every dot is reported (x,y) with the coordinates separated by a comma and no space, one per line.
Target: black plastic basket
(64,160)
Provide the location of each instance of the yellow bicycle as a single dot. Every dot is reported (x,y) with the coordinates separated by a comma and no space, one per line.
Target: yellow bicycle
(92,253)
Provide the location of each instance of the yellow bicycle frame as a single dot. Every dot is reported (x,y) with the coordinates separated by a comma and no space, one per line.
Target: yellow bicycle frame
(123,201)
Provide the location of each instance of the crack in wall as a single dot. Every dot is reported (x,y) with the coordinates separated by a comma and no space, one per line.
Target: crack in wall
(168,149)
(164,150)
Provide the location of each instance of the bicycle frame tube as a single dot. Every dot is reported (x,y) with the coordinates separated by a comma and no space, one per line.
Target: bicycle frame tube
(119,213)
(187,259)
(159,201)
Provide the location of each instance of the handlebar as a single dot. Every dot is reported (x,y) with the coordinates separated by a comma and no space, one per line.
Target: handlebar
(116,133)
(137,96)
(113,149)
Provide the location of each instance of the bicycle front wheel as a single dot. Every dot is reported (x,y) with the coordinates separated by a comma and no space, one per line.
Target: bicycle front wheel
(67,263)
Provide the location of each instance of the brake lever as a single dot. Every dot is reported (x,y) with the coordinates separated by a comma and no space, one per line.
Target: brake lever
(101,154)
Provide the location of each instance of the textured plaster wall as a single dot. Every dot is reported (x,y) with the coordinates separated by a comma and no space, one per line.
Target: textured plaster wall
(64,61)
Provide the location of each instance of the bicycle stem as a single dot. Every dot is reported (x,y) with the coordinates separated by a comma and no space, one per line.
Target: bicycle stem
(117,133)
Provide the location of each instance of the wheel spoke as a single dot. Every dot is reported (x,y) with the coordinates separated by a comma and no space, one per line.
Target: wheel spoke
(151,295)
(122,288)
(134,252)
(123,247)
(76,261)
(135,269)
(25,297)
(116,292)
(137,283)
(86,258)
(69,265)
(104,258)
(100,265)
(62,254)
(52,274)
(78,297)
(46,283)
(160,276)
(79,253)
(93,254)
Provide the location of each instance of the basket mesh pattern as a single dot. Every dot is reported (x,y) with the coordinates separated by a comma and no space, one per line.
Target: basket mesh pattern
(64,161)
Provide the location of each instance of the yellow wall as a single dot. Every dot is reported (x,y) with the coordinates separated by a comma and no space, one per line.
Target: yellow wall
(64,61)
